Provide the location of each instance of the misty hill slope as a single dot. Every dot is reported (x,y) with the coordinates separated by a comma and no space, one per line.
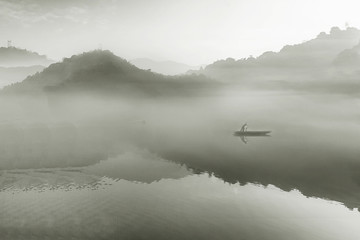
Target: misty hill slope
(9,75)
(310,58)
(163,67)
(14,57)
(103,72)
(349,59)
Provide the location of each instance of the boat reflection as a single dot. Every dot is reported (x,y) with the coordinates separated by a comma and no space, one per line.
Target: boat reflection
(245,134)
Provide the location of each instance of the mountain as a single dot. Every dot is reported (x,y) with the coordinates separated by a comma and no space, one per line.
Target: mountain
(9,75)
(163,67)
(14,57)
(307,60)
(16,64)
(349,58)
(104,73)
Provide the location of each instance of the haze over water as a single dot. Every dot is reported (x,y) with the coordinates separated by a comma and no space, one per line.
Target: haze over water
(145,171)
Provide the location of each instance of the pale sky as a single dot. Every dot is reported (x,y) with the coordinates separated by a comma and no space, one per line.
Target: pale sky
(189,31)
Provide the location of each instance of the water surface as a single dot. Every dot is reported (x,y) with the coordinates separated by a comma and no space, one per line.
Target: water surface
(172,169)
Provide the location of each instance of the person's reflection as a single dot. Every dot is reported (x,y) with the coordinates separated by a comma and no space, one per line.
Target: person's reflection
(244,139)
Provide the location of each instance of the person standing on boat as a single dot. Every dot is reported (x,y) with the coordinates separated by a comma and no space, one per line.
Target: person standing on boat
(244,128)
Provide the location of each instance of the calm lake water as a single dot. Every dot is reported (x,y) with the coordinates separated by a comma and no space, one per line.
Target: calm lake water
(172,169)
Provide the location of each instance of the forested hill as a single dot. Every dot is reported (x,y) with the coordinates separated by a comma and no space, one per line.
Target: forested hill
(103,72)
(313,58)
(15,57)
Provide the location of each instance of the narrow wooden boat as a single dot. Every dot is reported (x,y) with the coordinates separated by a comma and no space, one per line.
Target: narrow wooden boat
(252,133)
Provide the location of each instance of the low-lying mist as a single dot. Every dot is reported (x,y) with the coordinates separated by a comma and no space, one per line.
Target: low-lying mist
(310,132)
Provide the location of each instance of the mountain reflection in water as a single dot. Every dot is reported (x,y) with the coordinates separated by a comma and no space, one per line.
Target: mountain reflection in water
(194,207)
(136,166)
(143,174)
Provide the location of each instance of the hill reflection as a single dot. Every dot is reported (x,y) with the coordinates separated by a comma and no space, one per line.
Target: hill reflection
(146,142)
(136,166)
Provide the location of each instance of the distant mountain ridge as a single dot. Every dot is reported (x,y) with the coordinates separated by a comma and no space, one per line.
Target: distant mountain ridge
(16,64)
(103,72)
(329,62)
(349,58)
(163,67)
(310,58)
(15,57)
